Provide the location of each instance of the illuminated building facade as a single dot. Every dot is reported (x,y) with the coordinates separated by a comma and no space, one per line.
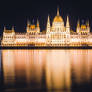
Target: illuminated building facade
(57,34)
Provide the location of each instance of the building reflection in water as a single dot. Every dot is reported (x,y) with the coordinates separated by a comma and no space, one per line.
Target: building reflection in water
(8,61)
(50,69)
(58,70)
(81,65)
(0,63)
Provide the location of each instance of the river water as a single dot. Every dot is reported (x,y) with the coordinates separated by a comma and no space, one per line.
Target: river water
(45,70)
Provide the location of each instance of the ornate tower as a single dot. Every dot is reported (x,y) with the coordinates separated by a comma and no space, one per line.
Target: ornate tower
(28,26)
(67,30)
(8,37)
(48,31)
(78,27)
(13,29)
(67,26)
(88,27)
(48,26)
(38,27)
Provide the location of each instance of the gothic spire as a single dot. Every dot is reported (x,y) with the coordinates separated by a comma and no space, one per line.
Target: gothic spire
(87,23)
(48,18)
(57,11)
(48,24)
(37,23)
(12,28)
(78,23)
(67,22)
(28,23)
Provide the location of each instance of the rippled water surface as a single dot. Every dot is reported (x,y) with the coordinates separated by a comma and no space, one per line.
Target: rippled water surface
(45,70)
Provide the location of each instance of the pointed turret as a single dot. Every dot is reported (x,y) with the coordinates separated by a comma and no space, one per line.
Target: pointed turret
(57,11)
(67,23)
(48,31)
(87,23)
(28,26)
(68,30)
(88,26)
(48,20)
(78,27)
(78,23)
(28,23)
(38,27)
(37,23)
(48,25)
(12,28)
(67,26)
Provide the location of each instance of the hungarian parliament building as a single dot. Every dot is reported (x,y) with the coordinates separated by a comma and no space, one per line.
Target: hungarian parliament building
(57,34)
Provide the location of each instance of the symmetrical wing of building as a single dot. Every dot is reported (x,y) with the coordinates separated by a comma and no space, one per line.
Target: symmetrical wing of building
(56,34)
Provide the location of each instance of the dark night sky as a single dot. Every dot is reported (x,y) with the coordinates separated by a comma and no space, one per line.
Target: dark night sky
(16,12)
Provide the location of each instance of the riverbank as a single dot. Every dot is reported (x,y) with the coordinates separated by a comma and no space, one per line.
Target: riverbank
(46,47)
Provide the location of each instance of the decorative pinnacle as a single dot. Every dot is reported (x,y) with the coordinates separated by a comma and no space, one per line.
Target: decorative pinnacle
(12,27)
(28,23)
(58,11)
(48,18)
(87,23)
(48,21)
(37,22)
(78,23)
(67,23)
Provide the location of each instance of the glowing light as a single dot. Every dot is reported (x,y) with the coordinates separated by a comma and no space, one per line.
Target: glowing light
(55,35)
(57,72)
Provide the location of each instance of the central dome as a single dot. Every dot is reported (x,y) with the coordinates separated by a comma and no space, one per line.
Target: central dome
(58,18)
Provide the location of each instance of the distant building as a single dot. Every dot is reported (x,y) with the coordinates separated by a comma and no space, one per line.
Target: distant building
(56,35)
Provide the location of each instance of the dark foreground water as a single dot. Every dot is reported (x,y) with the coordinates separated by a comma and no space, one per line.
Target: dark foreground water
(46,71)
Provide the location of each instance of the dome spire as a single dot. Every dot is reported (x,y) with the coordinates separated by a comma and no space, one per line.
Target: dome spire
(58,11)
